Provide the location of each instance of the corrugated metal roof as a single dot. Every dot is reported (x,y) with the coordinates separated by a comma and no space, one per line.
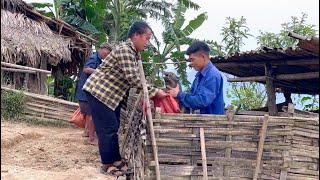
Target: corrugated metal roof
(302,59)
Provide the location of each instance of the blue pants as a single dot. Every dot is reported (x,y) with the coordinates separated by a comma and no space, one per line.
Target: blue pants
(107,124)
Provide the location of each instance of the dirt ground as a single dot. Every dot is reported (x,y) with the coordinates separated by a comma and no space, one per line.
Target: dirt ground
(42,152)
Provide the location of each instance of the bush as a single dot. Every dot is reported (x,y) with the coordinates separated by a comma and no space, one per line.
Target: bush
(12,104)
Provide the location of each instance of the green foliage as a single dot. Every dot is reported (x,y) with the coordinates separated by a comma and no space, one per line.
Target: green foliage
(282,40)
(67,89)
(121,14)
(308,102)
(233,34)
(85,16)
(12,104)
(50,85)
(247,95)
(40,6)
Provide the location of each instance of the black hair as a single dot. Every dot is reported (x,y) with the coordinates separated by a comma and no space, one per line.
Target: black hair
(138,27)
(198,46)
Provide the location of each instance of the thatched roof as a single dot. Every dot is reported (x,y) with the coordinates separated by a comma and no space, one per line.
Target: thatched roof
(28,36)
(25,41)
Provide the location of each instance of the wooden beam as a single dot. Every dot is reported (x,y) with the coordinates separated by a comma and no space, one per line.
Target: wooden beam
(309,75)
(24,67)
(247,79)
(203,154)
(296,76)
(272,107)
(297,62)
(296,36)
(263,133)
(18,70)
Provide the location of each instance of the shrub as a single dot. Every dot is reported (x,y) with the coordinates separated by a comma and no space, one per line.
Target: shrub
(12,104)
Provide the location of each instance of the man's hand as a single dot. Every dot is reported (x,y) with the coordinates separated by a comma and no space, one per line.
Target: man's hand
(161,94)
(174,91)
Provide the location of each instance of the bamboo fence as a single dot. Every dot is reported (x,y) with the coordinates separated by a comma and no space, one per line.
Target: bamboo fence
(232,146)
(46,107)
(195,146)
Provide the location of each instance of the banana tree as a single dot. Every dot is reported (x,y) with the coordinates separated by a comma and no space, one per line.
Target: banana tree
(175,36)
(86,15)
(121,13)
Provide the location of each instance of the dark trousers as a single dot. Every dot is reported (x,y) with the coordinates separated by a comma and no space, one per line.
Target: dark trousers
(107,124)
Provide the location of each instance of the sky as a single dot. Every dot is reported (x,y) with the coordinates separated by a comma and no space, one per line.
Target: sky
(261,15)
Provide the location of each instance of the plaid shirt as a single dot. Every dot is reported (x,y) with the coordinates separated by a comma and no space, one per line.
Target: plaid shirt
(116,74)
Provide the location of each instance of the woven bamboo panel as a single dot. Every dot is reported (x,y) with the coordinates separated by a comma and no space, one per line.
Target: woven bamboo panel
(290,149)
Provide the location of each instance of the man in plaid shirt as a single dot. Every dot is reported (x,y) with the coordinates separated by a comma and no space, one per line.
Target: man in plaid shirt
(107,89)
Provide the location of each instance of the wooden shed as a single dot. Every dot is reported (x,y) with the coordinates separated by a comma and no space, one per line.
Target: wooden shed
(290,70)
(36,44)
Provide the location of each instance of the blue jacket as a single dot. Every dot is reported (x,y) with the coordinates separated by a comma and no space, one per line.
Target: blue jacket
(93,62)
(206,92)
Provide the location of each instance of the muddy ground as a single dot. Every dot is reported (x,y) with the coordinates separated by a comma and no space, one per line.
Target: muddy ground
(45,152)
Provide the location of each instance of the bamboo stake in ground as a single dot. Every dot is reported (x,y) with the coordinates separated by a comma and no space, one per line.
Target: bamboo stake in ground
(203,154)
(263,134)
(149,117)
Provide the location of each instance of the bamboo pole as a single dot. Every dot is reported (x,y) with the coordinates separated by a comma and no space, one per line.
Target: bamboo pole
(17,70)
(24,67)
(203,154)
(263,133)
(149,117)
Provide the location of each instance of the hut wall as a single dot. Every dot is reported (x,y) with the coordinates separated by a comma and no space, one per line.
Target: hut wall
(290,151)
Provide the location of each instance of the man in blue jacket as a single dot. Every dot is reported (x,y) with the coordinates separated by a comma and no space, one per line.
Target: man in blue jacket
(207,88)
(92,63)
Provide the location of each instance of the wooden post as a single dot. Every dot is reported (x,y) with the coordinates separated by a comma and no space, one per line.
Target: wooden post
(149,118)
(272,107)
(26,80)
(285,153)
(287,96)
(43,77)
(203,154)
(39,82)
(263,133)
(228,151)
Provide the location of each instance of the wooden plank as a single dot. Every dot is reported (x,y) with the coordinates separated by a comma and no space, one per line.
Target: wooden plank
(263,134)
(203,154)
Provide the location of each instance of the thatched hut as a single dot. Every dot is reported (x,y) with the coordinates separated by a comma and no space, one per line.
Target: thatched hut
(31,39)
